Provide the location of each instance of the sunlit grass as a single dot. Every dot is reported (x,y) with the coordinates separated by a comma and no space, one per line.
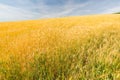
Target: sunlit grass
(70,48)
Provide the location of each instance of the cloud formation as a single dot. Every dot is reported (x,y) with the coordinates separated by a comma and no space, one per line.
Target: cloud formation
(36,9)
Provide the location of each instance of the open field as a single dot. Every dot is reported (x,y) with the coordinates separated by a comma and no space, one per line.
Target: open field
(70,48)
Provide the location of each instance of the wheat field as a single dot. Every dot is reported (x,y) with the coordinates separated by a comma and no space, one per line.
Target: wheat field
(69,48)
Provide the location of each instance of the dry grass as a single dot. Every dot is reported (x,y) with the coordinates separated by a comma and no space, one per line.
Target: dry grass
(70,48)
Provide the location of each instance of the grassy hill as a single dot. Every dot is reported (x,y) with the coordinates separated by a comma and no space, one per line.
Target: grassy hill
(70,48)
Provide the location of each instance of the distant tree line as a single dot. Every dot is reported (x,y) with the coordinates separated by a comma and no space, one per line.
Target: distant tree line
(117,13)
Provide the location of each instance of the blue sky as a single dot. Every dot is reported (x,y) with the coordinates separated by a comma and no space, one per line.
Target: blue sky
(12,10)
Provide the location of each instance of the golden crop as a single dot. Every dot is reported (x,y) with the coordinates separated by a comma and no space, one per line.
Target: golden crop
(70,48)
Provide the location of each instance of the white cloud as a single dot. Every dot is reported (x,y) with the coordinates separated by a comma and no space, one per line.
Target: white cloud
(8,13)
(112,10)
